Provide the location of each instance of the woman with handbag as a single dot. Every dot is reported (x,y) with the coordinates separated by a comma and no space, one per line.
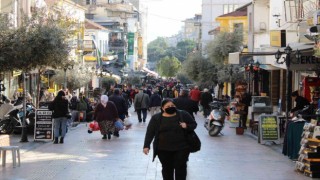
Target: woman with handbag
(168,130)
(60,114)
(106,114)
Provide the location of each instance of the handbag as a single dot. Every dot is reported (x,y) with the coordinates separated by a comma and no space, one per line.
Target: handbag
(193,141)
(119,125)
(192,138)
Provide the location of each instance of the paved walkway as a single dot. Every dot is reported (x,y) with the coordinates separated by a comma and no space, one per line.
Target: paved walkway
(86,156)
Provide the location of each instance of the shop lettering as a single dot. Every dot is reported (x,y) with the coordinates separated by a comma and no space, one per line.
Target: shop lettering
(307,60)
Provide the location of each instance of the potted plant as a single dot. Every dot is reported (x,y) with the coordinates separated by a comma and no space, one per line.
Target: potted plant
(241,112)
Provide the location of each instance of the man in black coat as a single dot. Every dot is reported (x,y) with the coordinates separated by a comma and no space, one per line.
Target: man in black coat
(183,102)
(121,106)
(205,100)
(301,102)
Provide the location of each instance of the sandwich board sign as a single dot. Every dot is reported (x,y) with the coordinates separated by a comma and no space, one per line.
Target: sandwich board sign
(269,129)
(43,126)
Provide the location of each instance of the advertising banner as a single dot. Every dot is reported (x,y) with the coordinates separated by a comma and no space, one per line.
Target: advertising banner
(130,43)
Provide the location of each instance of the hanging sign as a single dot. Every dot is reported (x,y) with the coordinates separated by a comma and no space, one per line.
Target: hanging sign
(269,129)
(43,126)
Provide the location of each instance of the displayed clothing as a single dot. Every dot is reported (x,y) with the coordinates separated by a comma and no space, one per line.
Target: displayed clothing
(292,138)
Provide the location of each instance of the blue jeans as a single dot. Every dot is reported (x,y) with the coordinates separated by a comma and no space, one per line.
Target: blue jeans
(60,122)
(144,114)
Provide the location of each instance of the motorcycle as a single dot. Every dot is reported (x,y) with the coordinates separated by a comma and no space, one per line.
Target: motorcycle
(215,121)
(12,121)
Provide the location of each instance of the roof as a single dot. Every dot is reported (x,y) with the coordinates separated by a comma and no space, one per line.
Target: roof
(92,25)
(235,14)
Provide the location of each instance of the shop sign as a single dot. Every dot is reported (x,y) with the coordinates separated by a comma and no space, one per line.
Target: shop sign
(269,129)
(43,126)
(306,62)
(130,43)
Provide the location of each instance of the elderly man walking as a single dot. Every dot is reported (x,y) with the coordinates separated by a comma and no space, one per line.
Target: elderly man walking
(141,104)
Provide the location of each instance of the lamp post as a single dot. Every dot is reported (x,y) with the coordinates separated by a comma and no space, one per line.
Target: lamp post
(287,60)
(251,67)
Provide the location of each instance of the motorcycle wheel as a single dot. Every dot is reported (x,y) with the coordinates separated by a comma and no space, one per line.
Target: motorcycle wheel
(6,127)
(214,130)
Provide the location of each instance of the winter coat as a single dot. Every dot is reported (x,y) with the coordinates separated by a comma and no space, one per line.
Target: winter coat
(195,95)
(185,103)
(59,108)
(155,100)
(154,125)
(108,113)
(120,103)
(143,98)
(206,98)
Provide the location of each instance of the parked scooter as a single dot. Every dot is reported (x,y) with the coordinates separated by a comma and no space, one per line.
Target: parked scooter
(215,121)
(12,121)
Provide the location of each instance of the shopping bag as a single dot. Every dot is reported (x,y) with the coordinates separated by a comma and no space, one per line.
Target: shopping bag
(93,126)
(127,123)
(119,125)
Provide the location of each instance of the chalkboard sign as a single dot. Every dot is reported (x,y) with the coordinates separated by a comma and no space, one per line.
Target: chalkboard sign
(43,126)
(269,129)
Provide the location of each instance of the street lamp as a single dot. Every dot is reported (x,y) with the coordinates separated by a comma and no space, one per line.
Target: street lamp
(287,60)
(252,67)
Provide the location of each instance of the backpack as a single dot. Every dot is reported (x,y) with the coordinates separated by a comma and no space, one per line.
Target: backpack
(73,103)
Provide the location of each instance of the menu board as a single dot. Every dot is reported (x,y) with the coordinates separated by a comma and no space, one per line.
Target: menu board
(269,129)
(43,126)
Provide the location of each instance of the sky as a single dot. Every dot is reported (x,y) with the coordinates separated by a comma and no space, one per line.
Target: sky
(165,16)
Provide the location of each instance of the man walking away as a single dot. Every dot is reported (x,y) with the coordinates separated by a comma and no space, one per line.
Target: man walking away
(155,102)
(82,107)
(183,102)
(73,107)
(121,106)
(206,99)
(141,103)
(195,94)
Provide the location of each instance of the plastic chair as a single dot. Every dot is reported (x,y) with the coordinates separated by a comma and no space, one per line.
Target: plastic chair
(15,154)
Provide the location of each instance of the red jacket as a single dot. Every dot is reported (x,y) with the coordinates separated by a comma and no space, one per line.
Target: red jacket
(195,95)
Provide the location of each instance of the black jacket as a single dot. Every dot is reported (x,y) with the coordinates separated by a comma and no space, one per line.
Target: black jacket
(301,102)
(206,98)
(155,100)
(59,108)
(185,103)
(152,133)
(120,103)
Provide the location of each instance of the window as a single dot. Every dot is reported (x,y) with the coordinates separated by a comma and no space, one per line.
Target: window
(91,2)
(227,8)
(238,26)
